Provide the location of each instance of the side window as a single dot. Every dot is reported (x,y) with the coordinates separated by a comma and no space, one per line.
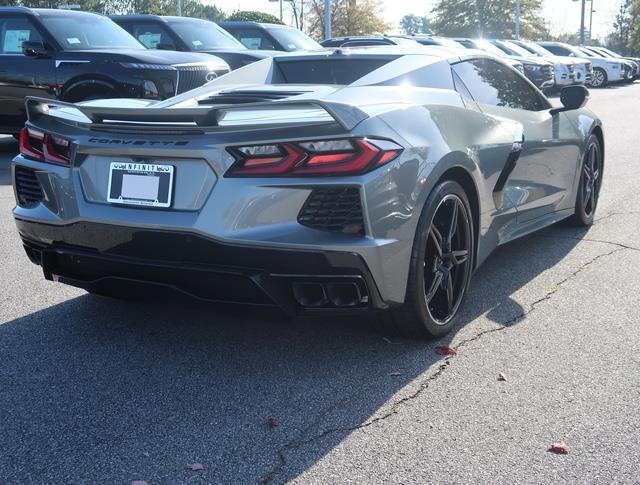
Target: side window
(253,39)
(14,31)
(152,36)
(492,83)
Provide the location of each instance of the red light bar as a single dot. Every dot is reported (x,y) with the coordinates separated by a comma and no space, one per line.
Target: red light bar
(322,157)
(44,147)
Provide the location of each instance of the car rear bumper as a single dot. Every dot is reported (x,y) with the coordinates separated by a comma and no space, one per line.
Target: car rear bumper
(106,258)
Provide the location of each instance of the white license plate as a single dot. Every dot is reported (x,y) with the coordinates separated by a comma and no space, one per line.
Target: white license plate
(146,184)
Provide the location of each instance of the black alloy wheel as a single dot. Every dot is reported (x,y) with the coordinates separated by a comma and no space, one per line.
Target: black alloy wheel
(441,266)
(590,183)
(446,261)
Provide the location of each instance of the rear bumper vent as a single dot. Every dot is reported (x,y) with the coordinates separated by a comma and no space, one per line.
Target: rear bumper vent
(28,188)
(335,209)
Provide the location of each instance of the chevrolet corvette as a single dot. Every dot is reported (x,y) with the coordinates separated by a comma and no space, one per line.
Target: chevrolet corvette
(356,180)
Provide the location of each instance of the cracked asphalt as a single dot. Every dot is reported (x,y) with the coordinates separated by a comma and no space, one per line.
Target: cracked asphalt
(94,391)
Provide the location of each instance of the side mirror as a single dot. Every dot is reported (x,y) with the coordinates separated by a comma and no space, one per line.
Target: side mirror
(35,49)
(572,97)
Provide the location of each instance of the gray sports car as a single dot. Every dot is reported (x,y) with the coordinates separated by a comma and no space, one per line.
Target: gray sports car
(369,179)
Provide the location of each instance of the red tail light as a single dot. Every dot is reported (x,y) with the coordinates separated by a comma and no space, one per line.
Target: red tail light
(44,147)
(32,144)
(321,157)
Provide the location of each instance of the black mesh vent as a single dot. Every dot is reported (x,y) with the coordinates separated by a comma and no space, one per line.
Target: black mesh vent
(191,77)
(248,96)
(28,188)
(336,209)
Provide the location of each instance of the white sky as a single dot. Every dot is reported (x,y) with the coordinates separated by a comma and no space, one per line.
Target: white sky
(563,15)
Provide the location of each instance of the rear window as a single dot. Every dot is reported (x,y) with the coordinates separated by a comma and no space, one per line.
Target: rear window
(328,71)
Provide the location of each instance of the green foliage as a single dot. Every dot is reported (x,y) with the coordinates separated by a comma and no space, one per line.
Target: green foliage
(348,17)
(414,24)
(489,18)
(254,16)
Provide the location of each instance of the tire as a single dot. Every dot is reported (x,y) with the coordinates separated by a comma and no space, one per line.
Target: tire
(599,78)
(445,272)
(589,185)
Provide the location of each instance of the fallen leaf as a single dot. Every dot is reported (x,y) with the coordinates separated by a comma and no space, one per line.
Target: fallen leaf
(559,448)
(195,466)
(139,482)
(388,340)
(272,423)
(446,350)
(395,374)
(502,377)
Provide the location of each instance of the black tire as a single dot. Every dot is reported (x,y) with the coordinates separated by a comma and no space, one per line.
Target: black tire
(419,316)
(599,78)
(589,185)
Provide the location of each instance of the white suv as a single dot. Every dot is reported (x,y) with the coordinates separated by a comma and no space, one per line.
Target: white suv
(604,70)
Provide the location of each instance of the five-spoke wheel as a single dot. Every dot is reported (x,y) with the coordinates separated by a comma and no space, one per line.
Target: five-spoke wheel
(441,265)
(590,183)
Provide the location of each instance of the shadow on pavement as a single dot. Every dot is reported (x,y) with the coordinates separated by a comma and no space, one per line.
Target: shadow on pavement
(99,391)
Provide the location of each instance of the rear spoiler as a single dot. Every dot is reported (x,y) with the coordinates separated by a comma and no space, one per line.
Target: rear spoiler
(272,113)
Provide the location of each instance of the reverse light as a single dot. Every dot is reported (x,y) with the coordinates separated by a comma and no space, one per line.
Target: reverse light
(44,147)
(310,158)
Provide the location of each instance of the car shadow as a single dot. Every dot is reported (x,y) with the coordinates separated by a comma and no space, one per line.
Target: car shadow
(95,390)
(8,149)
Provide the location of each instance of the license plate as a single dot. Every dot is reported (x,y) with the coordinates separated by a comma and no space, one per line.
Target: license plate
(145,184)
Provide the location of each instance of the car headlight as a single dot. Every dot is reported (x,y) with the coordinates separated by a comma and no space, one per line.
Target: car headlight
(532,68)
(142,65)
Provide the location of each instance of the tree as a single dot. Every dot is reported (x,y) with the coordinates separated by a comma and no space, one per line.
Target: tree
(348,17)
(254,16)
(195,8)
(414,24)
(489,18)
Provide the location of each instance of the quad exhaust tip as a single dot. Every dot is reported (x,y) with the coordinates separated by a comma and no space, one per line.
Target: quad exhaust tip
(339,294)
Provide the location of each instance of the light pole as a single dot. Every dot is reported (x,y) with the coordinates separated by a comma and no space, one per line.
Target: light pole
(179,8)
(582,22)
(517,19)
(327,19)
(591,10)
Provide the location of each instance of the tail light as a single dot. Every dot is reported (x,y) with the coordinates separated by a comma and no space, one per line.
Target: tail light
(321,157)
(44,147)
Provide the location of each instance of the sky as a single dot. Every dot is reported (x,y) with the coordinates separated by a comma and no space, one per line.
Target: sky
(563,15)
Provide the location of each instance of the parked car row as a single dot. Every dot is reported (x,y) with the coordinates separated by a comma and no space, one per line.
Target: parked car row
(548,65)
(79,56)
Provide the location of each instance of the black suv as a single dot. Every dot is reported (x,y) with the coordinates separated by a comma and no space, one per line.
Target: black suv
(189,35)
(257,35)
(79,56)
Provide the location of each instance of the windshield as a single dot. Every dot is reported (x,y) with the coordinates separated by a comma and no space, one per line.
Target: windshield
(87,32)
(593,52)
(536,49)
(328,71)
(610,52)
(294,40)
(517,49)
(487,46)
(202,35)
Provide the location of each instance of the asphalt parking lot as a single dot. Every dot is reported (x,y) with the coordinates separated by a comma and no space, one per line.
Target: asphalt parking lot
(97,391)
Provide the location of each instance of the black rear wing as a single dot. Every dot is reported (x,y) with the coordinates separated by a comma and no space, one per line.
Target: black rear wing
(272,113)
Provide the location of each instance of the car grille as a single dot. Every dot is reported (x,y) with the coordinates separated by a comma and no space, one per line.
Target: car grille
(335,209)
(192,76)
(28,189)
